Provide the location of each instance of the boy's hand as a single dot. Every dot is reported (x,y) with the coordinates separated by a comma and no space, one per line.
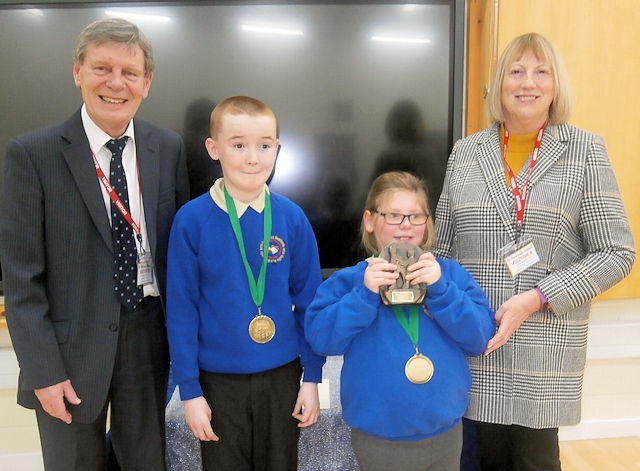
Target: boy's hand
(425,270)
(197,414)
(379,273)
(307,408)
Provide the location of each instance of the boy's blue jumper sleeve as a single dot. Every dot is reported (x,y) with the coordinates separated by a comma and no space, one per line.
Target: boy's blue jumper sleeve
(182,306)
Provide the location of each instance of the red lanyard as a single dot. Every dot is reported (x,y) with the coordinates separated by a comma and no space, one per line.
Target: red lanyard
(114,197)
(521,195)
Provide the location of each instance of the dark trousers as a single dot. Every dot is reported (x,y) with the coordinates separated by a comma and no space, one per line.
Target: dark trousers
(517,448)
(470,459)
(251,414)
(136,398)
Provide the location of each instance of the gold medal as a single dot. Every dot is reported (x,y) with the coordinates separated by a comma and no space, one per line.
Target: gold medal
(262,328)
(418,369)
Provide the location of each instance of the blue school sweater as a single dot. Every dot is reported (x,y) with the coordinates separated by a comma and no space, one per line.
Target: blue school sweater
(346,318)
(209,304)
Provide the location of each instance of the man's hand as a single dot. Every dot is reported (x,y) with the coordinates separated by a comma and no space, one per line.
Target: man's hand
(52,399)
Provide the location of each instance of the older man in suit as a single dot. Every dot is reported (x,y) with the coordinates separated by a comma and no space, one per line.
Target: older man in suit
(82,349)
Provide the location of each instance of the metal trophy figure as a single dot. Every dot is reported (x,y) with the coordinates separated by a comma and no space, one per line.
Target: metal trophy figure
(402,255)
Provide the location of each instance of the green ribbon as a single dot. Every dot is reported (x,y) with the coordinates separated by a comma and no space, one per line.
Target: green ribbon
(410,325)
(256,288)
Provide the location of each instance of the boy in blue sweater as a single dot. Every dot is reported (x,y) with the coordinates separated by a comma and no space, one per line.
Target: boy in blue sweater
(405,380)
(242,268)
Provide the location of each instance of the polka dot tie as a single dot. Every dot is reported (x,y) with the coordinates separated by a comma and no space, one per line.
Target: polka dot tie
(124,245)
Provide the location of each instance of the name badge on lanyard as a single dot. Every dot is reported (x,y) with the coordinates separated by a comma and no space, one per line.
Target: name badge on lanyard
(145,268)
(521,254)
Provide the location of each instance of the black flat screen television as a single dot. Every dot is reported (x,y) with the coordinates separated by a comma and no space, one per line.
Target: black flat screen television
(358,87)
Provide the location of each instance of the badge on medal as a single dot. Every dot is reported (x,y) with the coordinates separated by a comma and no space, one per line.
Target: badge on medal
(402,254)
(419,369)
(262,328)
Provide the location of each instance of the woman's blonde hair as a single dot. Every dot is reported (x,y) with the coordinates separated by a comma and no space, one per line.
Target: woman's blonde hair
(562,104)
(382,186)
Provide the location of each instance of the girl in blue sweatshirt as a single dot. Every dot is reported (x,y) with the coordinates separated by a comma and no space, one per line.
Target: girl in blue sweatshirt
(405,379)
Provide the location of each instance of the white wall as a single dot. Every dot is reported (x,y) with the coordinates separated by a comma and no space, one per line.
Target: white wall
(611,391)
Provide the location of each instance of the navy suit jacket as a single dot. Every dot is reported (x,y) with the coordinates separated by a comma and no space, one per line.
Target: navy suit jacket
(57,255)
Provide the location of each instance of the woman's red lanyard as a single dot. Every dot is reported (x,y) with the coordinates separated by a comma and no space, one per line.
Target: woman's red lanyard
(521,195)
(116,199)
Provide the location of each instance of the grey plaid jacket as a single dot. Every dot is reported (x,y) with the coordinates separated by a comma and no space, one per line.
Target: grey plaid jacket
(575,217)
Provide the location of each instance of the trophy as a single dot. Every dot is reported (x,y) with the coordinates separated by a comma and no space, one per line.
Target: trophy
(402,254)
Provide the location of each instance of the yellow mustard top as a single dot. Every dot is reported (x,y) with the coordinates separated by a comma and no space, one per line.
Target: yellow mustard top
(519,149)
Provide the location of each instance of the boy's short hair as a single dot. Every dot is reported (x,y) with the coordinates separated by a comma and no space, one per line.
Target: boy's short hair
(387,183)
(114,30)
(237,105)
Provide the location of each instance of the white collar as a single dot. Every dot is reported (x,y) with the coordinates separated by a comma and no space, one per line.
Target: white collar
(217,194)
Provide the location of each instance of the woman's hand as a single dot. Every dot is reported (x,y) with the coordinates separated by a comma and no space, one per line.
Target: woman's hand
(510,316)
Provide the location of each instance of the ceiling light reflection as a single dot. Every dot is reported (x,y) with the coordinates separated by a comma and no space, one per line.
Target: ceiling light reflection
(409,7)
(138,16)
(397,39)
(271,30)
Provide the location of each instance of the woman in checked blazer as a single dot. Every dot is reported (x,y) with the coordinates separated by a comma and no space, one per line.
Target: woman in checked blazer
(531,208)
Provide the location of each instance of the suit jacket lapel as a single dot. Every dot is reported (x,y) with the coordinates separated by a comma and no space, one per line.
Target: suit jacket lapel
(492,166)
(78,156)
(554,144)
(148,154)
(491,163)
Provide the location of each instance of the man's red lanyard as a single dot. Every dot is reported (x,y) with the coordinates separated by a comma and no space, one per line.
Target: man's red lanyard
(521,195)
(116,199)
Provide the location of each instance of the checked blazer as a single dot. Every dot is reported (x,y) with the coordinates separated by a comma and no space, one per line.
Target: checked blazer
(575,217)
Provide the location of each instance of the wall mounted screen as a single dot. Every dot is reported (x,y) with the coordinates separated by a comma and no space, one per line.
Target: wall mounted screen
(357,88)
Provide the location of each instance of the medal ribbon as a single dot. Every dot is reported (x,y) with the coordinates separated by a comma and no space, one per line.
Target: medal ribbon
(520,195)
(410,326)
(256,288)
